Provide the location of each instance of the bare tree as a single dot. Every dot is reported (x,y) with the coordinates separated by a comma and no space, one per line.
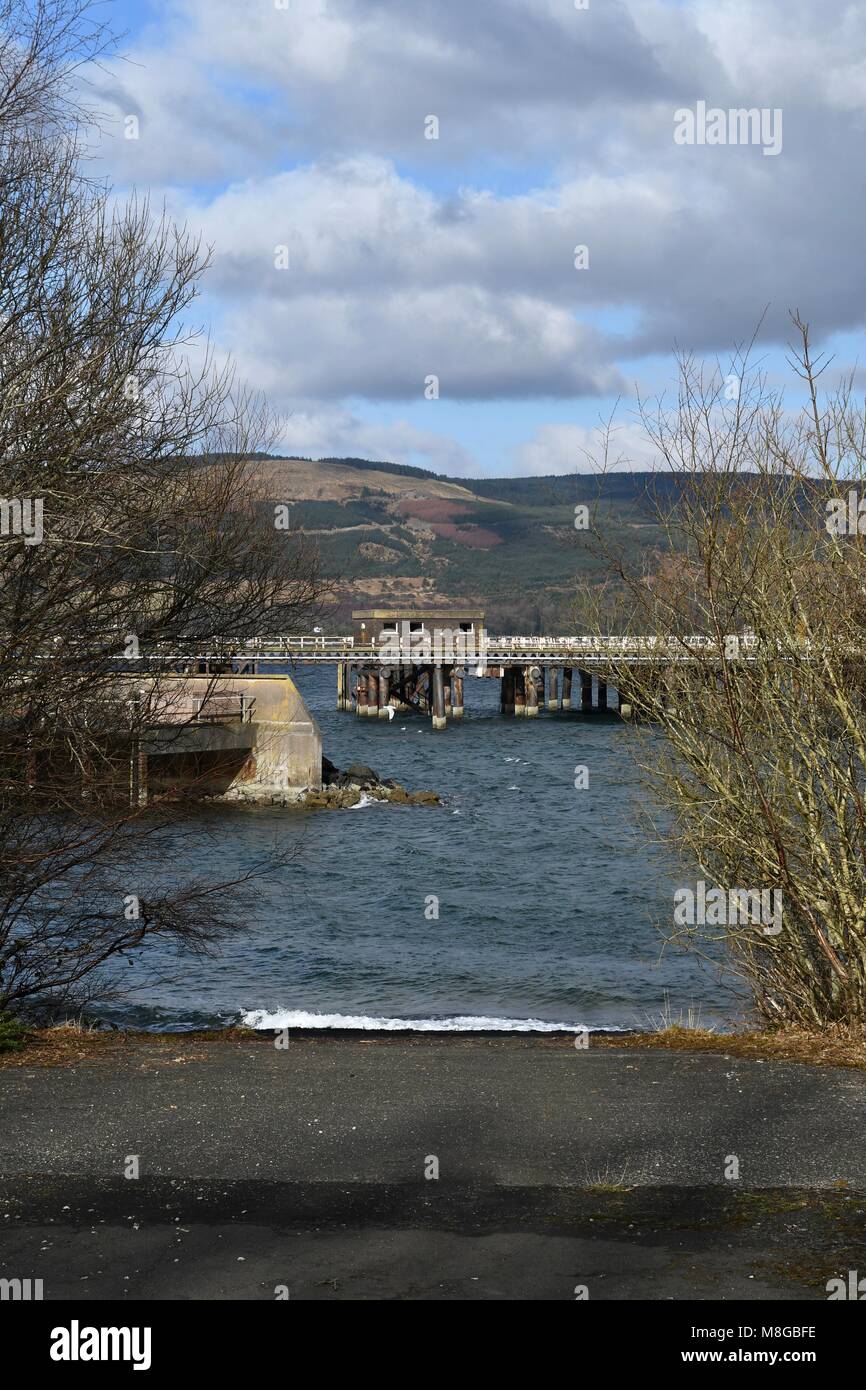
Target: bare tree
(755,749)
(131,512)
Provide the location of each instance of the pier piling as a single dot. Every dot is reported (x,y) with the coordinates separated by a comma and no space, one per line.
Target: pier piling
(439,720)
(384,692)
(531,694)
(566,687)
(585,690)
(519,692)
(457,694)
(553,687)
(506,699)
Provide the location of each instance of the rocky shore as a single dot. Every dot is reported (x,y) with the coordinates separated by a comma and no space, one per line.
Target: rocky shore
(342,789)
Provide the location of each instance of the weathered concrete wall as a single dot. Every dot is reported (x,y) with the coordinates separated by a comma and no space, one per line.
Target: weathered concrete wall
(288,741)
(276,754)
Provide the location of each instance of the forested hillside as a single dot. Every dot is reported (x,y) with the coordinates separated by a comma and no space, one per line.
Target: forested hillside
(391,532)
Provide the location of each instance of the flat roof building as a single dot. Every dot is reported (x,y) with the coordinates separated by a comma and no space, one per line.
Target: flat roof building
(372,624)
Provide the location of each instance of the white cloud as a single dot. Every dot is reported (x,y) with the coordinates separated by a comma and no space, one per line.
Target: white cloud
(329,432)
(564,448)
(304,126)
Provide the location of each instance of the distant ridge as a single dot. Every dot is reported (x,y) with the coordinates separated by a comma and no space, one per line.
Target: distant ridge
(394,533)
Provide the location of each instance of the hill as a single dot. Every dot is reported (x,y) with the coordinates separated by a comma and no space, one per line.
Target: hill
(391,532)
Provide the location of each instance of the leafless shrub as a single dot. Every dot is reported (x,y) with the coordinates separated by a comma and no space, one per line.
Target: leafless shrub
(758,777)
(137,450)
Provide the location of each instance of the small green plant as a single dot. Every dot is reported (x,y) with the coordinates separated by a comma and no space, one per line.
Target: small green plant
(12,1033)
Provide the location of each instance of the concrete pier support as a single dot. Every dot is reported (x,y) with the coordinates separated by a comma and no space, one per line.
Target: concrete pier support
(439,720)
(553,688)
(519,692)
(372,694)
(341,685)
(626,699)
(602,694)
(403,677)
(424,689)
(384,692)
(566,687)
(669,683)
(361,697)
(531,694)
(585,690)
(447,679)
(506,700)
(137,775)
(457,694)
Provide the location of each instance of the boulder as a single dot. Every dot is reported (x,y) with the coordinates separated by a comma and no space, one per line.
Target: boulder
(314,799)
(342,789)
(358,772)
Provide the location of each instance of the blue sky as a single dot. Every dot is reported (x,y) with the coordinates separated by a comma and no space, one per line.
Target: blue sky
(301,124)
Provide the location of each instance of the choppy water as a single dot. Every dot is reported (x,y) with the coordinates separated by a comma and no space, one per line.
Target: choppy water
(547,894)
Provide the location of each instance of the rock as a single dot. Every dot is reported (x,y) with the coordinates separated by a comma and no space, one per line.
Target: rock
(338,797)
(343,789)
(358,772)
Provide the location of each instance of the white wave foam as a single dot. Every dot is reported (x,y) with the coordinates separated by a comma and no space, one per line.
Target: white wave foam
(459,1023)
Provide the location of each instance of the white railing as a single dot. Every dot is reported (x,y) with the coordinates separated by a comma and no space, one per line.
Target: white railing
(311,644)
(467,646)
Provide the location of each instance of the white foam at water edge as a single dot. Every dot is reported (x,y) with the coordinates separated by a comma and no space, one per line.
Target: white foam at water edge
(459,1023)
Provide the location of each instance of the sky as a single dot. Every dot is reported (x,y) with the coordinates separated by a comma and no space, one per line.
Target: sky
(395,192)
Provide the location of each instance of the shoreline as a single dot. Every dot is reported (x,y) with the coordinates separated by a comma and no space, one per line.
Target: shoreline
(68,1043)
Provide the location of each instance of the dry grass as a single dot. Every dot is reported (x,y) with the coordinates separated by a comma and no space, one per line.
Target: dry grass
(832,1047)
(67,1043)
(70,1043)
